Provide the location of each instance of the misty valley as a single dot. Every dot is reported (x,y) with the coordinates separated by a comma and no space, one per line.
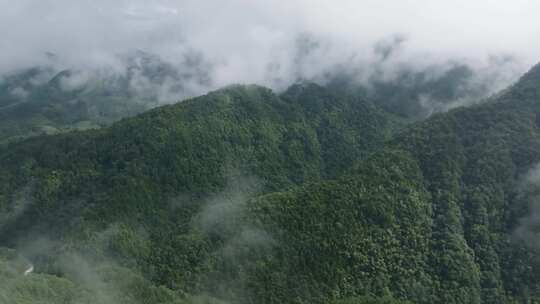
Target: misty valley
(250,152)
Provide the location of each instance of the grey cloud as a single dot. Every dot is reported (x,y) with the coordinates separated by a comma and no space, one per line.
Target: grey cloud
(215,43)
(223,212)
(74,81)
(19,93)
(385,48)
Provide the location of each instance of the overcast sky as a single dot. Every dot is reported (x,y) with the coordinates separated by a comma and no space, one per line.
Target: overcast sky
(264,40)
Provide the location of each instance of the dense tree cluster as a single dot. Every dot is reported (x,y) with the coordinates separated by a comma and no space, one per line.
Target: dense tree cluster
(311,196)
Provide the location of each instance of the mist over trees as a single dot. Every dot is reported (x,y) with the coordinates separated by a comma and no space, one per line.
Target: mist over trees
(210,152)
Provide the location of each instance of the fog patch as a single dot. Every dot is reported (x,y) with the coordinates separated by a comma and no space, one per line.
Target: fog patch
(238,240)
(19,93)
(528,229)
(225,209)
(76,80)
(246,240)
(275,44)
(21,200)
(95,276)
(390,69)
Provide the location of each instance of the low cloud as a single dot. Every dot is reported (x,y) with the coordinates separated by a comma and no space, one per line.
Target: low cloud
(212,44)
(528,229)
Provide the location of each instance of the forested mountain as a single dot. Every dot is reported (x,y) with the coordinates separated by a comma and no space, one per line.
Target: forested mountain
(314,195)
(49,100)
(157,171)
(415,94)
(52,98)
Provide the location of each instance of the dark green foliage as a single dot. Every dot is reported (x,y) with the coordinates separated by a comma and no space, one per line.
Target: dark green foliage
(187,148)
(251,197)
(352,236)
(137,172)
(370,300)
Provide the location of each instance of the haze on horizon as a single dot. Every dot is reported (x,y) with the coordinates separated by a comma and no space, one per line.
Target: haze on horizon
(273,43)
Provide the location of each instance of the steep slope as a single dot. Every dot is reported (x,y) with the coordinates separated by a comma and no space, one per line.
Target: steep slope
(135,190)
(252,197)
(187,148)
(447,214)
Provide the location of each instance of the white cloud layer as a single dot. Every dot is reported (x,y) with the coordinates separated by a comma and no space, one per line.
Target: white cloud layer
(268,42)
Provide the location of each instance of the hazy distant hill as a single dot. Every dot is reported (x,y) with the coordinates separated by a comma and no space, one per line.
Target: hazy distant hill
(45,100)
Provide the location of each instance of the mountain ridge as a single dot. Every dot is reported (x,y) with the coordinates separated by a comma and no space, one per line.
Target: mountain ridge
(309,196)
